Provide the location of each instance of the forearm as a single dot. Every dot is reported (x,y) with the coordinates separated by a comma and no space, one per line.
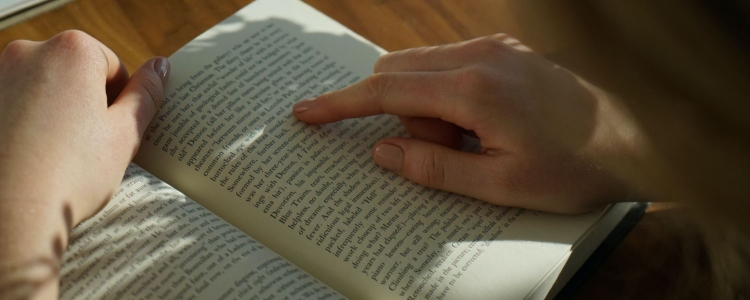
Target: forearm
(33,237)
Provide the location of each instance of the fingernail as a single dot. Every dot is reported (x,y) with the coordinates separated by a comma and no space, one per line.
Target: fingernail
(389,156)
(303,105)
(161,66)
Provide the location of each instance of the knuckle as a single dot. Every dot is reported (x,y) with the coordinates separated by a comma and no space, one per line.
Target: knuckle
(423,51)
(476,80)
(501,37)
(382,63)
(70,39)
(72,44)
(15,53)
(479,87)
(376,86)
(153,92)
(16,48)
(433,169)
(508,42)
(491,45)
(398,60)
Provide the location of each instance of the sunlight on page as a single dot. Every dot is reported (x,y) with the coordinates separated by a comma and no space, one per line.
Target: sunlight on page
(292,87)
(124,237)
(226,28)
(203,40)
(296,13)
(198,46)
(151,242)
(312,193)
(461,265)
(244,141)
(220,29)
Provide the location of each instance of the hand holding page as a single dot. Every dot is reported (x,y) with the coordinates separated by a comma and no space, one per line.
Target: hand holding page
(226,137)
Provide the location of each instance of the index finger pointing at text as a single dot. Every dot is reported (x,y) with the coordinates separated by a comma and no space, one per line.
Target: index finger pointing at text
(413,94)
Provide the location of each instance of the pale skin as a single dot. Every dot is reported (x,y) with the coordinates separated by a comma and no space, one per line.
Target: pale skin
(63,150)
(72,119)
(543,131)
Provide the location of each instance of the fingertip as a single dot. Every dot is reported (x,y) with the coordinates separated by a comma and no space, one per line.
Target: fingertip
(162,67)
(303,106)
(316,111)
(301,110)
(148,83)
(389,156)
(141,98)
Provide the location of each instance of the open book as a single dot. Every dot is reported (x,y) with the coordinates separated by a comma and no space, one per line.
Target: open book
(256,205)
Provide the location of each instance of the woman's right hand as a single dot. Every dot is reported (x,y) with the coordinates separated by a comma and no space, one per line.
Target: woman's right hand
(541,128)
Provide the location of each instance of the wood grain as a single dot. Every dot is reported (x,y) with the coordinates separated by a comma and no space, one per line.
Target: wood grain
(641,267)
(139,29)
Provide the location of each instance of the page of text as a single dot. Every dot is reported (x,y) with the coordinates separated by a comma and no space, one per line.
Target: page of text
(151,242)
(226,136)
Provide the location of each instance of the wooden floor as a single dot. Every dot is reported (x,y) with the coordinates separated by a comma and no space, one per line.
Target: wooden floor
(646,265)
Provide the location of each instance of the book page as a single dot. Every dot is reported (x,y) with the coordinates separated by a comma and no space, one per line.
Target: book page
(151,242)
(226,137)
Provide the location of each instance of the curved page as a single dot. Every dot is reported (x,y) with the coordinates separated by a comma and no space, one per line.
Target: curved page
(151,242)
(226,137)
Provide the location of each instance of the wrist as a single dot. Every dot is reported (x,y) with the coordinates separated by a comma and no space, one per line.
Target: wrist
(53,189)
(33,237)
(617,145)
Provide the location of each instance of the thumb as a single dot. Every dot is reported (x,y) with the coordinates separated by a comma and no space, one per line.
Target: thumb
(435,165)
(140,99)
